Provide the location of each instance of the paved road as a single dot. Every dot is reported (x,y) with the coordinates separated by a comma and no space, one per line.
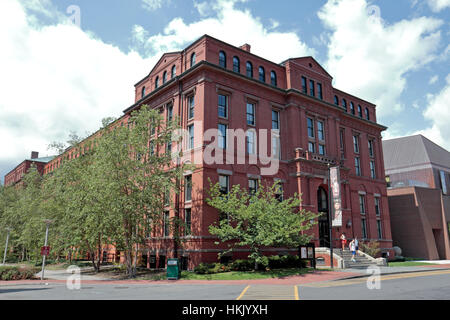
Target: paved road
(420,285)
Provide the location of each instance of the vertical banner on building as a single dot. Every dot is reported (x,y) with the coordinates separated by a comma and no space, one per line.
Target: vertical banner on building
(336,197)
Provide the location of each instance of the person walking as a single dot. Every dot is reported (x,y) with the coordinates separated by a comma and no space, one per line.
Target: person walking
(356,246)
(352,249)
(343,241)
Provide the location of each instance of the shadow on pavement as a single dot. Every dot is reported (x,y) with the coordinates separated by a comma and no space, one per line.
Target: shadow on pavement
(21,290)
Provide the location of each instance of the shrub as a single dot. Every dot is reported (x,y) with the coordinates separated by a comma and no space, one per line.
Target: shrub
(203,268)
(372,248)
(242,265)
(286,261)
(8,273)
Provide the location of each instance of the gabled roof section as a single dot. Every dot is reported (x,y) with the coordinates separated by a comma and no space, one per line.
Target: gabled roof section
(43,159)
(160,62)
(309,63)
(413,151)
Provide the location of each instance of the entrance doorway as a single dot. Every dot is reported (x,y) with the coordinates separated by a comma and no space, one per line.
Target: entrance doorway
(324,222)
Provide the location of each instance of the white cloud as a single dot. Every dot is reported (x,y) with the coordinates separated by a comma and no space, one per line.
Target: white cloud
(153,5)
(438,113)
(231,25)
(371,58)
(56,79)
(433,79)
(438,5)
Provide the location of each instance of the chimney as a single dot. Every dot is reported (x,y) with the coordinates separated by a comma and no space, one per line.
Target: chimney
(246,47)
(34,154)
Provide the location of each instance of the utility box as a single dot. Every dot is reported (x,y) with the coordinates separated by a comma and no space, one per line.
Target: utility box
(173,269)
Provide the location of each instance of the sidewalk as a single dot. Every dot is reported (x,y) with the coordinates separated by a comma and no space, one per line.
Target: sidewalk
(360,273)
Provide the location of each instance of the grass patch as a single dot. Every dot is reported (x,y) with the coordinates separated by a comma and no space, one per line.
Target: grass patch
(246,275)
(409,264)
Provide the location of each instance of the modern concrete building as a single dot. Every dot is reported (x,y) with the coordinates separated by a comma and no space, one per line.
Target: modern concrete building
(418,175)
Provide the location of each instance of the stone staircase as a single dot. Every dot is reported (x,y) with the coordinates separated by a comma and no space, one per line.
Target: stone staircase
(362,261)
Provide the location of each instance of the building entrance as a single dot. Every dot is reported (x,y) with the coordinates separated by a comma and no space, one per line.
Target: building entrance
(324,222)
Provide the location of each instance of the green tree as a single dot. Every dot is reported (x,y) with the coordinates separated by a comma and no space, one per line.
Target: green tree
(259,219)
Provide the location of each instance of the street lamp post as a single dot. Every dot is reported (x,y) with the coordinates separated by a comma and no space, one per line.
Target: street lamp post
(6,245)
(47,223)
(330,217)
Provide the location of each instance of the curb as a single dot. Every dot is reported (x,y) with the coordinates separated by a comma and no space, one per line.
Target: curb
(388,273)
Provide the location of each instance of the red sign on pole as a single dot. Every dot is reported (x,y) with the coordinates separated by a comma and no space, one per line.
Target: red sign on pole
(45,251)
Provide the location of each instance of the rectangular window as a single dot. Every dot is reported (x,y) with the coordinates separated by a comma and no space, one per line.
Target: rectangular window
(279,192)
(443,182)
(223,136)
(371,153)
(342,142)
(312,89)
(251,144)
(191,107)
(191,137)
(364,228)
(319,91)
(357,166)
(377,207)
(187,221)
(223,106)
(275,120)
(169,112)
(372,170)
(166,224)
(276,152)
(252,186)
(321,149)
(320,131)
(188,188)
(250,114)
(356,144)
(305,91)
(310,128)
(312,147)
(167,198)
(379,228)
(224,184)
(362,204)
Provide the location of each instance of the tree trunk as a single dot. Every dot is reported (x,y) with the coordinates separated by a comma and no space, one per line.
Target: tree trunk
(92,256)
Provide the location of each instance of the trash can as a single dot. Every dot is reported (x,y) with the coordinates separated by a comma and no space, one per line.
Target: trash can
(173,269)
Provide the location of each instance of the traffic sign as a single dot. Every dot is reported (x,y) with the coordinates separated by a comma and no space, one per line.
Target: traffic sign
(45,251)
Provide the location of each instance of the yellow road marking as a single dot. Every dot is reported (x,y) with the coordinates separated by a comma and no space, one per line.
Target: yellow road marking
(242,293)
(296,292)
(382,278)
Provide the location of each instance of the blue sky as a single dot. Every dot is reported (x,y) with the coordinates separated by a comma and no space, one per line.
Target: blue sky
(58,77)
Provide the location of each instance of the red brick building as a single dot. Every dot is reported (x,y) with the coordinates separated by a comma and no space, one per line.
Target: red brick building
(418,174)
(15,175)
(213,85)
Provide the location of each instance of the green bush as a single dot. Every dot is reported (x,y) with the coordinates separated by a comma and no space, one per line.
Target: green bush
(286,261)
(203,268)
(8,273)
(242,265)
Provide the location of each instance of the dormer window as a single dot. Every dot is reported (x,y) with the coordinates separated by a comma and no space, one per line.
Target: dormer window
(273,78)
(249,67)
(222,59)
(192,59)
(352,108)
(236,65)
(367,114)
(360,111)
(344,104)
(336,100)
(143,92)
(262,74)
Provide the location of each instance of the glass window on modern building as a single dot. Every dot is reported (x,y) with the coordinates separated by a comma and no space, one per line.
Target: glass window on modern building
(222,135)
(187,222)
(357,166)
(319,91)
(223,106)
(191,103)
(250,114)
(188,188)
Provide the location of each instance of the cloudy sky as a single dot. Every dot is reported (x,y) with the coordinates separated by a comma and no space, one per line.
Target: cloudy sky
(66,64)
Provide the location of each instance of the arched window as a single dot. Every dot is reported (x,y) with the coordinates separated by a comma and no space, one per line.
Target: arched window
(344,104)
(236,65)
(336,100)
(192,59)
(352,108)
(174,71)
(359,111)
(367,114)
(222,59)
(164,77)
(156,82)
(143,91)
(273,78)
(262,74)
(249,69)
